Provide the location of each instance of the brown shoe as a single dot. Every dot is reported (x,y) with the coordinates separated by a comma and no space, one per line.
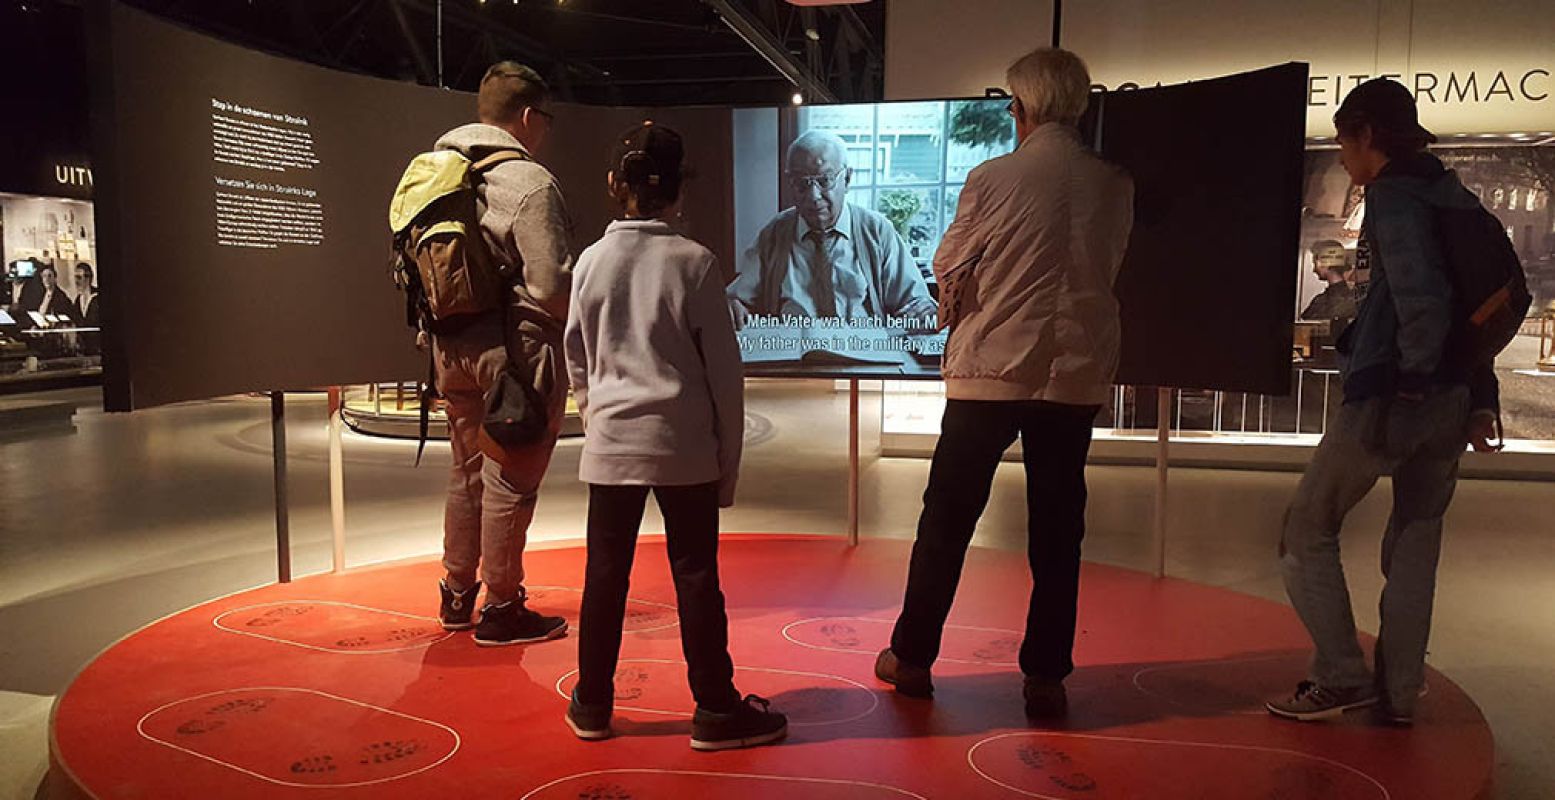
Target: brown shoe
(908,679)
(1045,699)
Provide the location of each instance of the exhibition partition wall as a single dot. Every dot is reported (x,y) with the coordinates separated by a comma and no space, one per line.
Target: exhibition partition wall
(244,196)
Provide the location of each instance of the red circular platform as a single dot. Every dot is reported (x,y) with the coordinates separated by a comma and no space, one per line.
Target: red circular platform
(345,686)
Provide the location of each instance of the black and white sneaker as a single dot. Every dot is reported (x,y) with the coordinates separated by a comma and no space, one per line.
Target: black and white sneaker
(745,726)
(1312,702)
(512,623)
(457,612)
(589,723)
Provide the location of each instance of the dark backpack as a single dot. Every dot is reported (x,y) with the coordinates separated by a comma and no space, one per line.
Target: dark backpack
(1489,287)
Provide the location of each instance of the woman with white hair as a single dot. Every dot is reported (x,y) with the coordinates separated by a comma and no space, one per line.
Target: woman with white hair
(1026,273)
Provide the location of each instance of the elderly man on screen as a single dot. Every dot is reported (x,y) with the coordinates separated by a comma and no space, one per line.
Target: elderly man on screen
(826,257)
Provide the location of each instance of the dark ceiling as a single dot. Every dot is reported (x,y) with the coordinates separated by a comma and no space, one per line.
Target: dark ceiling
(637,52)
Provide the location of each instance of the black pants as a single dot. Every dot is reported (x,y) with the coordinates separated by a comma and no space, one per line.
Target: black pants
(691,532)
(1056,439)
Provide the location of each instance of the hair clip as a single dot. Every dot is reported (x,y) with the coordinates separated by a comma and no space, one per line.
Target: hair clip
(638,155)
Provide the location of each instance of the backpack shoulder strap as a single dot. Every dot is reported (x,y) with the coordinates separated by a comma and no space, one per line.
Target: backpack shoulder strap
(477,174)
(429,394)
(500,157)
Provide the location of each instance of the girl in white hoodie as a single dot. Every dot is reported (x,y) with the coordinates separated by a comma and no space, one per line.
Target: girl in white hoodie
(656,372)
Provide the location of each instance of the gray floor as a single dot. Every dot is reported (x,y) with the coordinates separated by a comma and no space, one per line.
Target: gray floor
(132,517)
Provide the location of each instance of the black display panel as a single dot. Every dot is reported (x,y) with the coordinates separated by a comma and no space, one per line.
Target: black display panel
(1207,288)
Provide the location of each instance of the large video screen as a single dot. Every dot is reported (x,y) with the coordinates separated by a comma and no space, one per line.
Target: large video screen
(838,212)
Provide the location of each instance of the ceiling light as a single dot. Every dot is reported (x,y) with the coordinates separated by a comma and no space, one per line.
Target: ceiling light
(798,99)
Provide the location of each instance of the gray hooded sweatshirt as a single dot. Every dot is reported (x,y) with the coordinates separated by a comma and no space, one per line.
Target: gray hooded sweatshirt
(525,220)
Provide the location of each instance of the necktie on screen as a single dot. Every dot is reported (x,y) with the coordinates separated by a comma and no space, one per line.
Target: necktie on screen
(823,288)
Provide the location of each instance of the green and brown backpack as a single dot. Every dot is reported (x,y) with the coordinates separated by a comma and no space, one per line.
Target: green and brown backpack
(440,257)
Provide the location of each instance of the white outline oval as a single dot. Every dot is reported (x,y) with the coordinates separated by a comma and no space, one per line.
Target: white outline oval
(944,659)
(705,774)
(140,728)
(1256,711)
(874,699)
(971,762)
(675,623)
(342,651)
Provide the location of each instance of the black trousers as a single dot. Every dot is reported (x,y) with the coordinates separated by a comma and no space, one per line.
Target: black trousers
(1056,439)
(691,532)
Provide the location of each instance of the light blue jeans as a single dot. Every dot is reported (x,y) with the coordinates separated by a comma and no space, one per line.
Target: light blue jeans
(1419,444)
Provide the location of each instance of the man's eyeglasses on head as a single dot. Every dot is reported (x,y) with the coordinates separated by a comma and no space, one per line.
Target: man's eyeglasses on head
(549,117)
(825,181)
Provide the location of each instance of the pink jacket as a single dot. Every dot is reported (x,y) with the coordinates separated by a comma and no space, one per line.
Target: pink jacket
(1047,227)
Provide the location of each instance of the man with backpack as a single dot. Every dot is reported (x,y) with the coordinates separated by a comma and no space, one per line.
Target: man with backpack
(1447,293)
(495,306)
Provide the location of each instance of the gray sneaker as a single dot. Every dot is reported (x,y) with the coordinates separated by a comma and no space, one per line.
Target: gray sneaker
(1312,702)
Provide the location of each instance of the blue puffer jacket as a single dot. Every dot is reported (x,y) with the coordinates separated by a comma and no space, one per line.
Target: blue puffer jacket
(1397,341)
